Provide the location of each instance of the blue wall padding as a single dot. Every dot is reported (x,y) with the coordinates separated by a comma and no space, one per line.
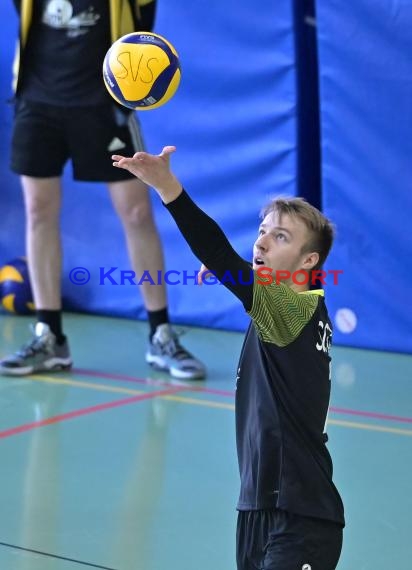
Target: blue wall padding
(11,202)
(233,122)
(366,116)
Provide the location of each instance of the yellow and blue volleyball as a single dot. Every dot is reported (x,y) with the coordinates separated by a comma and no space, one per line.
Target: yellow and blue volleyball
(15,290)
(141,71)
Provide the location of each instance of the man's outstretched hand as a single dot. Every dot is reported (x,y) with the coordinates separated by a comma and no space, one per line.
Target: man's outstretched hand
(154,170)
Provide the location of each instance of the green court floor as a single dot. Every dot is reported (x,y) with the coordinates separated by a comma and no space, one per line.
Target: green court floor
(114,466)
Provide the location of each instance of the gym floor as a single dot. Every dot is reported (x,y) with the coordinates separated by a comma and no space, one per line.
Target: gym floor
(117,467)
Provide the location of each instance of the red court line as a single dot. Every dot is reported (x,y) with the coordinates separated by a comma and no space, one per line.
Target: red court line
(90,410)
(231,394)
(375,415)
(148,382)
(120,377)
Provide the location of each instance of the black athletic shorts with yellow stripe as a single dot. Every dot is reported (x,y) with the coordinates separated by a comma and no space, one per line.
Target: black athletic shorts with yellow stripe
(45,137)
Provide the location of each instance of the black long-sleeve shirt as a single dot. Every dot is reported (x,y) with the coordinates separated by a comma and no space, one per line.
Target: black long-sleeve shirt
(283,382)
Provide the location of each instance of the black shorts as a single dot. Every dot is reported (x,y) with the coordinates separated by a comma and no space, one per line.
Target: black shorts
(45,137)
(277,540)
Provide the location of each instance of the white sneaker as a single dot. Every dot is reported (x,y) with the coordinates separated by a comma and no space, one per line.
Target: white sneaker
(166,353)
(41,354)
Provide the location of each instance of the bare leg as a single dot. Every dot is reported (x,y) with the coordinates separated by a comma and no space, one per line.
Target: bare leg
(48,351)
(132,203)
(42,197)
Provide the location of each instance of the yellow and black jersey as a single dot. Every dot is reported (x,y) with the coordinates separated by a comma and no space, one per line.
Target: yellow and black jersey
(82,33)
(283,381)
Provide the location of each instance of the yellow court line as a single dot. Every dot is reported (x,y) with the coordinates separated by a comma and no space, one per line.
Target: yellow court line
(101,387)
(354,425)
(198,402)
(208,403)
(371,427)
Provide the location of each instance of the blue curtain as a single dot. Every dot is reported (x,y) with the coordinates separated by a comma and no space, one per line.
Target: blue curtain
(366,117)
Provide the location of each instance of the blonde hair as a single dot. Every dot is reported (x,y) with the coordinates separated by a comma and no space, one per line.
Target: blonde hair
(321,229)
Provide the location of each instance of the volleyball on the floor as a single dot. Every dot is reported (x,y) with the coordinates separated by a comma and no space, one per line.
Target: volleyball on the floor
(141,71)
(15,290)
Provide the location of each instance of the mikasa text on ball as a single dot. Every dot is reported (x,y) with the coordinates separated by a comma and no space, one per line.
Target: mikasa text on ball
(141,71)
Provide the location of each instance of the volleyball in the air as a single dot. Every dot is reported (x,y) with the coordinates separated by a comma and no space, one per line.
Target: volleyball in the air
(141,71)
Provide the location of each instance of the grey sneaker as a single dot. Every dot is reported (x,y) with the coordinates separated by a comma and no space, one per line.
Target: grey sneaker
(166,353)
(41,354)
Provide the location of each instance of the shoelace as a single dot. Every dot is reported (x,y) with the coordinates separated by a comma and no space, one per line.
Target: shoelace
(176,350)
(33,347)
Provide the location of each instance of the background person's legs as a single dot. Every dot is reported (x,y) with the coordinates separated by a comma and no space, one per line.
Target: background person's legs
(131,201)
(49,348)
(42,200)
(45,137)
